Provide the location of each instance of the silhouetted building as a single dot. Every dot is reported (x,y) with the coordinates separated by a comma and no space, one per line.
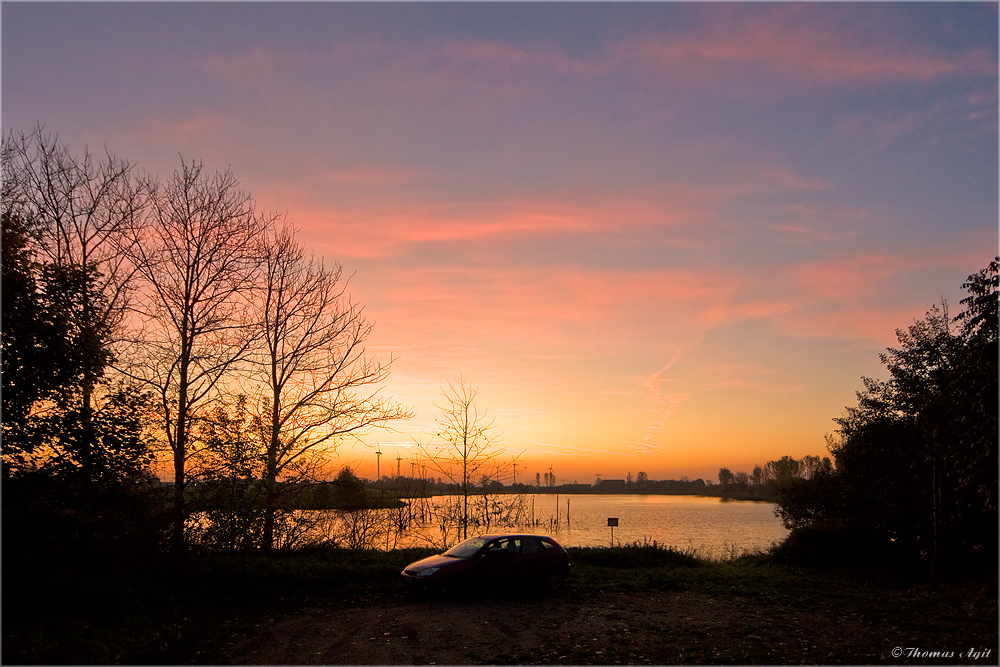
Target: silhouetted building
(575,488)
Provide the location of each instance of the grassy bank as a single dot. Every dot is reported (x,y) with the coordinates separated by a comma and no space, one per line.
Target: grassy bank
(194,610)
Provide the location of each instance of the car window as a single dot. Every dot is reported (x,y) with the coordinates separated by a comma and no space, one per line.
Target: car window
(546,545)
(529,546)
(466,548)
(505,546)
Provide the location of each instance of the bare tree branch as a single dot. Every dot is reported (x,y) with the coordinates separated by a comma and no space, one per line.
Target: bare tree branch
(81,211)
(464,447)
(198,259)
(317,384)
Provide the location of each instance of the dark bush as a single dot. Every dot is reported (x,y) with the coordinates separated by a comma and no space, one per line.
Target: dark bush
(633,555)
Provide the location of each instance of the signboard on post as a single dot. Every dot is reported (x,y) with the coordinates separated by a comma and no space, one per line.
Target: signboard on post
(612,521)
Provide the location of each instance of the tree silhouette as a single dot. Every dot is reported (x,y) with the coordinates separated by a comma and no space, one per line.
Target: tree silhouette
(317,384)
(464,447)
(916,458)
(197,258)
(81,211)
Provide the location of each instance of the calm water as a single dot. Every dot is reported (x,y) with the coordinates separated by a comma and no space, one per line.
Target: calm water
(711,527)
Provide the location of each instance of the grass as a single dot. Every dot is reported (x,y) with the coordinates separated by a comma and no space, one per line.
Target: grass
(194,609)
(177,609)
(802,614)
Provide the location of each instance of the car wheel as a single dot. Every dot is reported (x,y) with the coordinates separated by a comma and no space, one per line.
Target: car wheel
(553,581)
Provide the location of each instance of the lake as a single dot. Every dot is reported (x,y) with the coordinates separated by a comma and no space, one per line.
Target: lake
(708,526)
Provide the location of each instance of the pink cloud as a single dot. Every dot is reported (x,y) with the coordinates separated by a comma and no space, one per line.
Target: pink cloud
(382,211)
(560,313)
(380,227)
(260,67)
(755,376)
(184,133)
(845,278)
(850,296)
(784,40)
(789,41)
(809,234)
(503,59)
(576,318)
(373,175)
(735,44)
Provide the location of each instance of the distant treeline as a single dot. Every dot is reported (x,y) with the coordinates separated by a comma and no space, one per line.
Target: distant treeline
(348,492)
(419,487)
(766,481)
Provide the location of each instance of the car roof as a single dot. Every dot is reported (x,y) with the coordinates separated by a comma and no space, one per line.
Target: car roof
(494,536)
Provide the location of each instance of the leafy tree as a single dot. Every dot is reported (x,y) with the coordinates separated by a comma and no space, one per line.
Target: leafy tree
(782,471)
(916,459)
(75,445)
(111,446)
(809,465)
(230,466)
(350,491)
(51,356)
(76,481)
(27,363)
(976,430)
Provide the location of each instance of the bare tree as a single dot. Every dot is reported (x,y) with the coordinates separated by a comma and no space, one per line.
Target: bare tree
(81,211)
(319,386)
(198,259)
(464,447)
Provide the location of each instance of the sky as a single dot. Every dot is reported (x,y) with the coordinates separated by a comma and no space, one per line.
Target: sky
(658,237)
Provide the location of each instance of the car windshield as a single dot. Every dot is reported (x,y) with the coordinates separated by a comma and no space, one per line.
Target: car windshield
(466,548)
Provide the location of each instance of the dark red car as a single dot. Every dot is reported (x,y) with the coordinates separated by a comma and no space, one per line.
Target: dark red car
(480,562)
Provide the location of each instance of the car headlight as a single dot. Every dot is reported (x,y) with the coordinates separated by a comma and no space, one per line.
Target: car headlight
(427,571)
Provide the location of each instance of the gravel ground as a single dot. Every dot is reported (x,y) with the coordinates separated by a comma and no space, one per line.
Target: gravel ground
(618,628)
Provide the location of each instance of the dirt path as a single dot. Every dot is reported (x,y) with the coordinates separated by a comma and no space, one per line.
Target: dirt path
(621,628)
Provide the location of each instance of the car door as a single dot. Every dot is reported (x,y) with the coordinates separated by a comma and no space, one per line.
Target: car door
(502,559)
(532,563)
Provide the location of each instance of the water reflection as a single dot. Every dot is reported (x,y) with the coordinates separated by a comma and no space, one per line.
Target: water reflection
(708,527)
